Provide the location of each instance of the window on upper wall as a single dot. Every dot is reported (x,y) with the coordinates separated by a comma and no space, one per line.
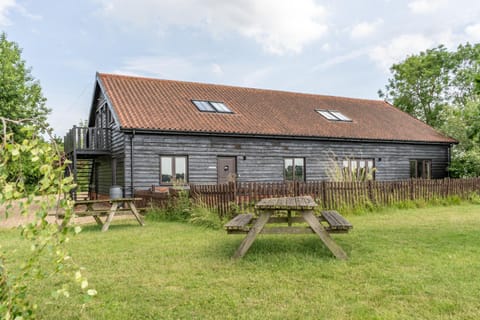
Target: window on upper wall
(294,169)
(173,169)
(358,169)
(333,115)
(211,106)
(421,168)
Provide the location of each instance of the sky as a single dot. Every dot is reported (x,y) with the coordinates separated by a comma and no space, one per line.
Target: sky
(330,47)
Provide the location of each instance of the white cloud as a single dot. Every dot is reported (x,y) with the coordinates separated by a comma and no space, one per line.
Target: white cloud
(326,47)
(365,29)
(217,69)
(340,59)
(426,6)
(399,48)
(5,5)
(473,32)
(24,12)
(256,78)
(279,26)
(163,67)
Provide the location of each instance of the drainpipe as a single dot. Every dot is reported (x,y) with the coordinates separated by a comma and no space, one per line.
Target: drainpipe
(131,162)
(449,159)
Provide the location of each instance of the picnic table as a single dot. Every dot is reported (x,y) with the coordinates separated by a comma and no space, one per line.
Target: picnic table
(269,212)
(109,212)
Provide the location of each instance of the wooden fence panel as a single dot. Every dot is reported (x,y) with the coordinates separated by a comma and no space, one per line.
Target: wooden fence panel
(329,195)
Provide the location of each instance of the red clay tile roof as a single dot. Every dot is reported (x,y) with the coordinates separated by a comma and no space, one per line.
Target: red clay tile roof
(145,103)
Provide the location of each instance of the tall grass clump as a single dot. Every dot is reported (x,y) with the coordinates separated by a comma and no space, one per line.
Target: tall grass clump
(202,216)
(177,209)
(182,208)
(344,171)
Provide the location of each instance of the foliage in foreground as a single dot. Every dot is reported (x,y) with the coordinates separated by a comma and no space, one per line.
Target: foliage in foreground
(47,256)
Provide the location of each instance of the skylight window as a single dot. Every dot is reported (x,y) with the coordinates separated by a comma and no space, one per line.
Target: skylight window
(327,115)
(340,116)
(203,105)
(334,115)
(211,106)
(220,107)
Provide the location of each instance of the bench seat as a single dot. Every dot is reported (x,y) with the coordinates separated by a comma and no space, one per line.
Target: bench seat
(98,212)
(336,222)
(239,224)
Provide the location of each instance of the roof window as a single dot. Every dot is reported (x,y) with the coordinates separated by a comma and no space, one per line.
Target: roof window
(334,115)
(211,106)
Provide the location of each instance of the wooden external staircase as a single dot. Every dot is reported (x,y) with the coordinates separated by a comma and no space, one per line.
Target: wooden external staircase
(82,145)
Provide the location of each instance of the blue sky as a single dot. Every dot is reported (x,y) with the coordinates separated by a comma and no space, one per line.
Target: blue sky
(328,47)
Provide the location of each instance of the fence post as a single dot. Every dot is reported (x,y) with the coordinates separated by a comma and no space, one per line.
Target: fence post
(448,187)
(412,190)
(324,194)
(371,195)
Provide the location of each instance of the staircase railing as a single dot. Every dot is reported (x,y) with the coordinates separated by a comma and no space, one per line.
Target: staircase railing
(88,139)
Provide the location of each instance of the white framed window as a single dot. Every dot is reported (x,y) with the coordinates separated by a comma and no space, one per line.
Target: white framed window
(294,169)
(173,169)
(358,169)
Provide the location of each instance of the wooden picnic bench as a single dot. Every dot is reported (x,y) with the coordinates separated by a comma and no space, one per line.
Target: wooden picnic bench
(327,222)
(109,213)
(335,223)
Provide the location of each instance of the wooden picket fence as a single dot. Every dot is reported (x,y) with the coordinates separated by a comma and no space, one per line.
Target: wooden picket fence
(241,196)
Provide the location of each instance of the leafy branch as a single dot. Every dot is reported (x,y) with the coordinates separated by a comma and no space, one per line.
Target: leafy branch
(48,256)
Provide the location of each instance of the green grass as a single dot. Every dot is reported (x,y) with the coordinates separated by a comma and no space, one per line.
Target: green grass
(404,264)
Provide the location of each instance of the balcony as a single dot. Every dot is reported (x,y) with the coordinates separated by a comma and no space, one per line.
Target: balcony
(90,141)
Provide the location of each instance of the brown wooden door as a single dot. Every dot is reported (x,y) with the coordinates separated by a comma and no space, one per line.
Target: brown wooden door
(226,169)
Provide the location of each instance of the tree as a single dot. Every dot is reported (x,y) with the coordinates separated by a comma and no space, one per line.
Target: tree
(464,125)
(442,88)
(423,85)
(20,98)
(20,94)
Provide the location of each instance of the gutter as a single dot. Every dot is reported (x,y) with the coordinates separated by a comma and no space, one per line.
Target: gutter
(282,137)
(132,136)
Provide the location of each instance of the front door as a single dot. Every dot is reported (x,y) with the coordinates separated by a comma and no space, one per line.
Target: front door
(226,169)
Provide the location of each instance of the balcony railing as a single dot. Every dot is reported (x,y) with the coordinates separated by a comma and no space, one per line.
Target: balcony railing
(88,140)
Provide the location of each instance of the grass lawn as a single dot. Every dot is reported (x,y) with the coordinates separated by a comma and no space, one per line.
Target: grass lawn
(404,264)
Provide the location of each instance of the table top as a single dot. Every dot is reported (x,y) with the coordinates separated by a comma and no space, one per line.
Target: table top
(106,200)
(286,203)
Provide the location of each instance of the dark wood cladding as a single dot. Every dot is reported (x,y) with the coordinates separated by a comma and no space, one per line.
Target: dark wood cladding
(262,159)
